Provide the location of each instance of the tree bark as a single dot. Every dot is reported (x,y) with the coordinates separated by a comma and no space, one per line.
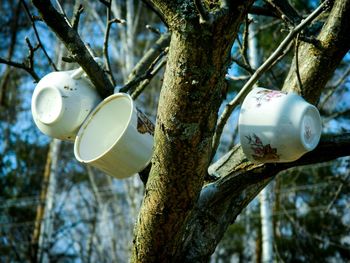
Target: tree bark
(221,202)
(317,62)
(240,181)
(187,114)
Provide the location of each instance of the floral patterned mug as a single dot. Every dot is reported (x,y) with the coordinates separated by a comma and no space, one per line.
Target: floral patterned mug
(276,126)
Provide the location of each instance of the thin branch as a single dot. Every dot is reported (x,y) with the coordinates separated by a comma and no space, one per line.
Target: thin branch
(130,86)
(148,58)
(21,66)
(285,11)
(334,86)
(156,10)
(260,71)
(75,46)
(76,17)
(258,10)
(30,17)
(63,13)
(153,30)
(238,78)
(32,50)
(337,193)
(239,182)
(243,65)
(203,13)
(139,89)
(106,3)
(336,115)
(297,61)
(244,47)
(106,41)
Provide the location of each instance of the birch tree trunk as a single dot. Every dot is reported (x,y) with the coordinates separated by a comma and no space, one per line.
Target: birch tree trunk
(46,226)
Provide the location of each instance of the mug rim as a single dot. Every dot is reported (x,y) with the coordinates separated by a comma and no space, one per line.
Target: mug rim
(89,118)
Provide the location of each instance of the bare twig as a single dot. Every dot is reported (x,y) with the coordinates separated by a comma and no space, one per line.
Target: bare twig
(334,86)
(336,115)
(30,17)
(153,29)
(106,40)
(76,17)
(63,12)
(6,74)
(260,71)
(130,86)
(258,10)
(244,48)
(285,11)
(296,55)
(21,66)
(243,65)
(139,89)
(203,13)
(238,78)
(337,193)
(148,58)
(106,2)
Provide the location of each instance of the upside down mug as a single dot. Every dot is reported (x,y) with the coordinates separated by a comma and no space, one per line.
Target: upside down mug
(61,101)
(275,126)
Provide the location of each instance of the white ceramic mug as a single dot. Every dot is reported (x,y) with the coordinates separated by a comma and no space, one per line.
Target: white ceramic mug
(275,126)
(61,101)
(114,139)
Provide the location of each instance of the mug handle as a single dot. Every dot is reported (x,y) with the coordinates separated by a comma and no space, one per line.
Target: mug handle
(78,73)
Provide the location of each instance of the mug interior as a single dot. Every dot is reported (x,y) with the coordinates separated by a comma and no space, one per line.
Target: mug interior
(104,127)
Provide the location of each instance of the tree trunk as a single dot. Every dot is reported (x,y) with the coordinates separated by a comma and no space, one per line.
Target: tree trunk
(187,114)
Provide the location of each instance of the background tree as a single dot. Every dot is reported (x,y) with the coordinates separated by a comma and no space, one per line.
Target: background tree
(193,192)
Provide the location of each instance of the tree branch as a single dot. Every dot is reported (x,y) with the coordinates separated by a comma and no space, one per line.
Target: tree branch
(152,7)
(75,46)
(203,13)
(240,181)
(317,63)
(30,17)
(150,56)
(148,74)
(165,9)
(109,23)
(21,66)
(187,112)
(261,11)
(285,11)
(76,17)
(139,89)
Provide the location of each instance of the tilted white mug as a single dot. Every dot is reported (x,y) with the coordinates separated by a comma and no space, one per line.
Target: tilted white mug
(275,126)
(61,101)
(115,138)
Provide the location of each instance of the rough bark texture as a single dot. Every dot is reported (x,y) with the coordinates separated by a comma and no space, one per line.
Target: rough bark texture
(318,62)
(187,113)
(240,181)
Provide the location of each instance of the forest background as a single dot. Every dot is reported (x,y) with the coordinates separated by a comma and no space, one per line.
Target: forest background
(53,208)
